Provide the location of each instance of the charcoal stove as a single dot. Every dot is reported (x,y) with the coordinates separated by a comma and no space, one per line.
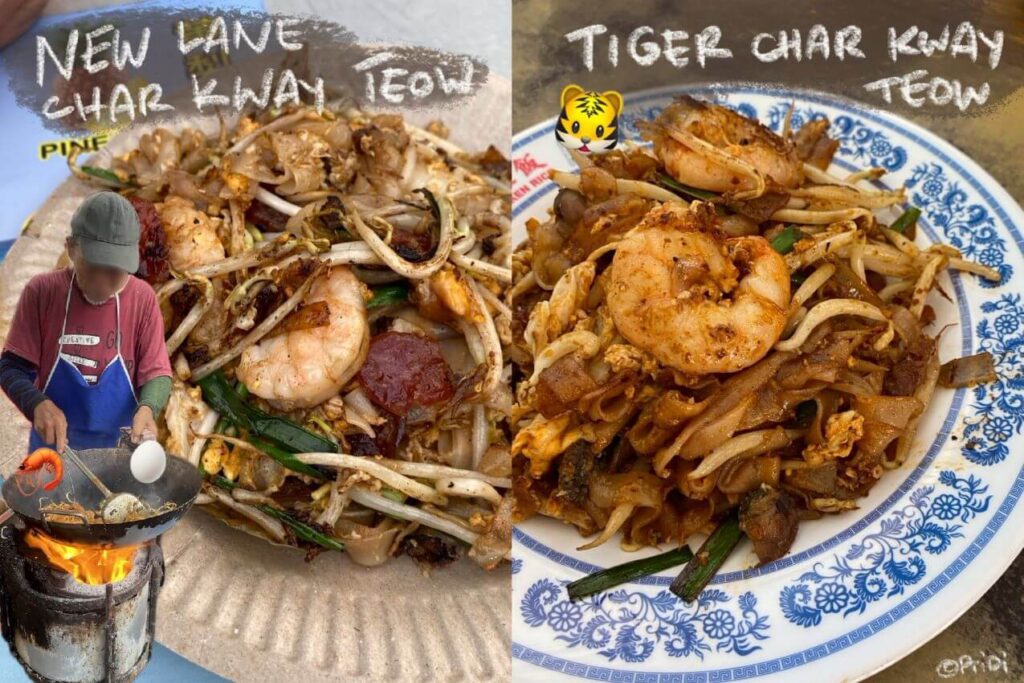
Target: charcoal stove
(63,630)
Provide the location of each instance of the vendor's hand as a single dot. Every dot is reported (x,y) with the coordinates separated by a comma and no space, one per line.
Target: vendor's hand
(143,426)
(50,424)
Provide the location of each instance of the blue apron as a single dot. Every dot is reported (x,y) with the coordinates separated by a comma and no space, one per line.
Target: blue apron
(95,412)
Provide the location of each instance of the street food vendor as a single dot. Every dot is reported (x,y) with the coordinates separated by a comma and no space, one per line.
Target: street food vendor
(85,355)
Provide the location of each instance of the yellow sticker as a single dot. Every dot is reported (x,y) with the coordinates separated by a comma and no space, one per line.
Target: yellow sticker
(91,143)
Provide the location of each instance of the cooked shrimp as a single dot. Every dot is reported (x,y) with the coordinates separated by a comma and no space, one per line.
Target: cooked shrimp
(191,234)
(696,301)
(305,367)
(714,148)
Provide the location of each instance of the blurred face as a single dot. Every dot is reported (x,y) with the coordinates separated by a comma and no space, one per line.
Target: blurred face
(98,283)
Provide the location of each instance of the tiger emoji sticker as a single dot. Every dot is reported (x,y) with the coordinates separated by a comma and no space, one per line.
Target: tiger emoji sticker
(589,120)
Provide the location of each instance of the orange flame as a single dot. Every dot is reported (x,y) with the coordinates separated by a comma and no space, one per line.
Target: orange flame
(92,565)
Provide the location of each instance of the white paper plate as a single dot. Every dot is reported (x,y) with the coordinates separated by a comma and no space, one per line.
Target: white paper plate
(859,590)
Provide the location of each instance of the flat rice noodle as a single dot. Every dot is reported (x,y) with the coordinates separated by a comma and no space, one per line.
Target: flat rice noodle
(846,284)
(760,208)
(496,462)
(604,222)
(722,406)
(717,432)
(597,514)
(300,155)
(885,418)
(720,503)
(822,364)
(617,455)
(649,527)
(646,437)
(641,526)
(702,488)
(618,387)
(673,408)
(818,335)
(818,481)
(368,546)
(696,518)
(774,405)
(741,475)
(642,489)
(876,380)
(908,327)
(604,434)
(968,371)
(559,508)
(827,404)
(849,382)
(186,185)
(549,260)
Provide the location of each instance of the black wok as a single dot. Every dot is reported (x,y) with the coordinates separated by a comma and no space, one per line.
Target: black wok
(180,484)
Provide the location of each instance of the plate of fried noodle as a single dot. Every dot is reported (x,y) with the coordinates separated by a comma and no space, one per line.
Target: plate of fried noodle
(332,284)
(765,353)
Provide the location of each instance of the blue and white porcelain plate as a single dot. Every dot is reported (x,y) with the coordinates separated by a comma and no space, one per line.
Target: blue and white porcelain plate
(858,590)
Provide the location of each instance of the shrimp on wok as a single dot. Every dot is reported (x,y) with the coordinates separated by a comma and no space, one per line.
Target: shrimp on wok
(332,287)
(715,324)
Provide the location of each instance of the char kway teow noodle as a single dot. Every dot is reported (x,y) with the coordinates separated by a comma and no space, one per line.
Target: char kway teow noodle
(717,325)
(332,287)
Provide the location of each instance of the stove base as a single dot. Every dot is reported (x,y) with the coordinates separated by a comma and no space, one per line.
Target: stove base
(66,632)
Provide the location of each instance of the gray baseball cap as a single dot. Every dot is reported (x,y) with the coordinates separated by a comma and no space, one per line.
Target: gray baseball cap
(106,228)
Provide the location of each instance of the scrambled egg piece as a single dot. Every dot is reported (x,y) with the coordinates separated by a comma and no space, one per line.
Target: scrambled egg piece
(626,357)
(543,440)
(842,430)
(454,293)
(219,458)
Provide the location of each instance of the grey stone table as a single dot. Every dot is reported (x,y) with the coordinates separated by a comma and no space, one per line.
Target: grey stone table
(544,61)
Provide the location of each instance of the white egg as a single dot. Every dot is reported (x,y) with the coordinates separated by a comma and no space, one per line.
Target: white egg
(149,460)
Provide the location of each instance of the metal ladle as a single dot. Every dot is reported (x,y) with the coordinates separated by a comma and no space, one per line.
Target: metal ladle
(115,507)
